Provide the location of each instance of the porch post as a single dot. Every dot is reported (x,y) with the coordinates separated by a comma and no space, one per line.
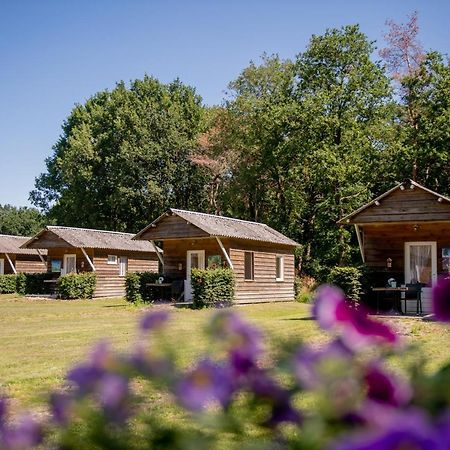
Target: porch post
(88,259)
(224,253)
(40,256)
(360,242)
(158,253)
(13,267)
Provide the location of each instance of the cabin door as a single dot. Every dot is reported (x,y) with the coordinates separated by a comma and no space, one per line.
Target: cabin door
(2,266)
(195,259)
(70,264)
(420,262)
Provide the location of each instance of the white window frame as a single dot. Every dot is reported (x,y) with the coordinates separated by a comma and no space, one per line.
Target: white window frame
(2,266)
(112,259)
(122,273)
(66,256)
(252,266)
(408,246)
(281,259)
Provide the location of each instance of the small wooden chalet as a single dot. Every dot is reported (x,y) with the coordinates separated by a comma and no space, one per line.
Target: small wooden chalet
(261,258)
(109,254)
(404,235)
(14,259)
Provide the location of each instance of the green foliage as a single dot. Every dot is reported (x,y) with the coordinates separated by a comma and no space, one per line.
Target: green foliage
(76,285)
(122,154)
(212,287)
(8,284)
(348,279)
(21,283)
(20,221)
(304,289)
(135,286)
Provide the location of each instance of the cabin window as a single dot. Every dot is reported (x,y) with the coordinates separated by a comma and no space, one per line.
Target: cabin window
(280,268)
(2,266)
(112,259)
(249,269)
(123,265)
(56,265)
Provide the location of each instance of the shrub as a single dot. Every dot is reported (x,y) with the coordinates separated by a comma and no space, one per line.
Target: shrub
(8,284)
(212,287)
(304,288)
(73,285)
(135,286)
(34,283)
(348,279)
(21,283)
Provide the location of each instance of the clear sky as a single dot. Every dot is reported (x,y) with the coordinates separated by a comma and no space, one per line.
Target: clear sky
(54,54)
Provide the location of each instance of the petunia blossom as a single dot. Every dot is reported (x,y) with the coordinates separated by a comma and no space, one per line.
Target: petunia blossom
(441,300)
(153,320)
(27,433)
(208,383)
(355,328)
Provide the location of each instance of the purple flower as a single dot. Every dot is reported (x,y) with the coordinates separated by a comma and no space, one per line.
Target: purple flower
(153,320)
(308,362)
(60,405)
(85,377)
(25,434)
(207,383)
(441,300)
(391,439)
(113,391)
(150,365)
(384,387)
(244,342)
(356,329)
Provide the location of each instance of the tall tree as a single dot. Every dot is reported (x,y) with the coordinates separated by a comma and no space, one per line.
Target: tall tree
(124,157)
(20,221)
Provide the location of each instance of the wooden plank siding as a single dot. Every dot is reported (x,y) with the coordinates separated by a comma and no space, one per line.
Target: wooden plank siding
(173,227)
(23,263)
(109,283)
(409,205)
(264,287)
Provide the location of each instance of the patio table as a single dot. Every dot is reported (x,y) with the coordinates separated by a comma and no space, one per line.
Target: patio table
(163,287)
(398,303)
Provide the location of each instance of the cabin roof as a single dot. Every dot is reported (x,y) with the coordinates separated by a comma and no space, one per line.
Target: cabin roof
(89,238)
(228,227)
(401,186)
(12,244)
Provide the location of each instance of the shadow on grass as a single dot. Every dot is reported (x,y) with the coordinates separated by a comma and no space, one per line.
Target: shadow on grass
(300,318)
(115,306)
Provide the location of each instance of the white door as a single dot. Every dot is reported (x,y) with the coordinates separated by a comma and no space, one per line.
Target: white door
(195,259)
(420,262)
(2,266)
(70,264)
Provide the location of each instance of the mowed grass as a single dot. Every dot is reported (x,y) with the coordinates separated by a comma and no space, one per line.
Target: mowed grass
(41,339)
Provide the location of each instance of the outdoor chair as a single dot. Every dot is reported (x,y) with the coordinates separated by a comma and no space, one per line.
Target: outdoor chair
(414,293)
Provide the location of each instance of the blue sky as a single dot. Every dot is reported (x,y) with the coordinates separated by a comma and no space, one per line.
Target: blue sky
(54,54)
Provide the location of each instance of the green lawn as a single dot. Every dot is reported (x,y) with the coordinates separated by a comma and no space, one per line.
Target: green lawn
(40,339)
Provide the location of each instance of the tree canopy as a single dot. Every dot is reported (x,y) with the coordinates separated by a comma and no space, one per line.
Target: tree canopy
(20,221)
(297,143)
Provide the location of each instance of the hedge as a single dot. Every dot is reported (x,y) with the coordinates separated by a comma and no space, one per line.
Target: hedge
(348,279)
(135,286)
(76,285)
(8,284)
(212,287)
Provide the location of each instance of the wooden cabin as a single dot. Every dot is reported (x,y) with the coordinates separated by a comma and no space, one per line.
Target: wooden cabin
(261,258)
(109,254)
(14,259)
(404,234)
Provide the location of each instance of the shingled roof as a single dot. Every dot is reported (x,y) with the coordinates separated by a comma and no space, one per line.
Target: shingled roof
(12,245)
(221,226)
(88,238)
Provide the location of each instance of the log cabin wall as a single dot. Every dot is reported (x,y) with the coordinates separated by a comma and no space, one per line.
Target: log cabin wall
(173,227)
(109,282)
(264,287)
(30,264)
